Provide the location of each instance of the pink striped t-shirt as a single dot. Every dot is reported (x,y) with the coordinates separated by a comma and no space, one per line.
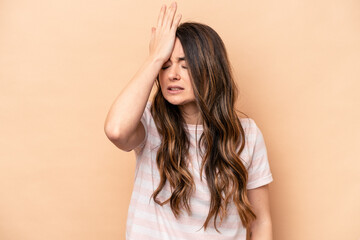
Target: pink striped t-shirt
(150,221)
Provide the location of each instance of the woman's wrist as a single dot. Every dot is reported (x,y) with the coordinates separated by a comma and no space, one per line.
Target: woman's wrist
(155,59)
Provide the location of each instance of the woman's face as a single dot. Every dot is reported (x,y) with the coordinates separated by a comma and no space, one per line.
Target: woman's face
(175,80)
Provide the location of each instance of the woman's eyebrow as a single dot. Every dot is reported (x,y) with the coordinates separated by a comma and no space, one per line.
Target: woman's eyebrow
(178,59)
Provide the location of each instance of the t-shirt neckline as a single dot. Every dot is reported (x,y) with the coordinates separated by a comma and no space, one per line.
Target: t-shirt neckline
(193,126)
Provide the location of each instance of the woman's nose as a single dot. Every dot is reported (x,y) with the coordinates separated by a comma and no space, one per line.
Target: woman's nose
(174,73)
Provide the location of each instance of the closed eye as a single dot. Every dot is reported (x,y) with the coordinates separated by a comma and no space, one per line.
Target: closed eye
(163,68)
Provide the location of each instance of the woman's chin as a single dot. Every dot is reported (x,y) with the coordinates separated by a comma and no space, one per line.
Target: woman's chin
(175,102)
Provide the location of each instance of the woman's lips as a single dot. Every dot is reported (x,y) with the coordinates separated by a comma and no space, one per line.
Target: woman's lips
(175,90)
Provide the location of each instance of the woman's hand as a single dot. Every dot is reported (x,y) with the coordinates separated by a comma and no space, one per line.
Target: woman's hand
(163,36)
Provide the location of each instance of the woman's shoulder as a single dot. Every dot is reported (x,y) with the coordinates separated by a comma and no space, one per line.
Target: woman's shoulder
(147,110)
(148,105)
(251,129)
(248,123)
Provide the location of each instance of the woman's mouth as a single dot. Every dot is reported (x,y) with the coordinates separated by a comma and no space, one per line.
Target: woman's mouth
(175,89)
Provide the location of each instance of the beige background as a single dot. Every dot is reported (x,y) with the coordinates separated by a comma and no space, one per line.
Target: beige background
(62,63)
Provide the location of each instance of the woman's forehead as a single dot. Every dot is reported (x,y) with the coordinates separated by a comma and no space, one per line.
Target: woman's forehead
(178,50)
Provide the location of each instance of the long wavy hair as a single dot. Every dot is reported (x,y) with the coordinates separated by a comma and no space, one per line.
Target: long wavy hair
(223,137)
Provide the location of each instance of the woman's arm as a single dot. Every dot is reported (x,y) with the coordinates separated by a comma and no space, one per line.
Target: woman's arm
(122,125)
(261,228)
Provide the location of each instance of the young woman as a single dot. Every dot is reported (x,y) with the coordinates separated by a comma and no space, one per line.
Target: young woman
(201,171)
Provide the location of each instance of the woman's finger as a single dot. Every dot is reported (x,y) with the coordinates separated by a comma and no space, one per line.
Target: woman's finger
(170,15)
(161,16)
(152,37)
(176,22)
(153,32)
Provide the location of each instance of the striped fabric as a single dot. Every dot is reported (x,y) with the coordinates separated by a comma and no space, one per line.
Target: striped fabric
(148,220)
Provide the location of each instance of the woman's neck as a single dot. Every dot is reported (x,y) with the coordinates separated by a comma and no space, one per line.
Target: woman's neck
(191,114)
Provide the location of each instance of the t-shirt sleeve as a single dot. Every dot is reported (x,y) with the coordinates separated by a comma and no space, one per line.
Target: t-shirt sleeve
(259,173)
(145,120)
